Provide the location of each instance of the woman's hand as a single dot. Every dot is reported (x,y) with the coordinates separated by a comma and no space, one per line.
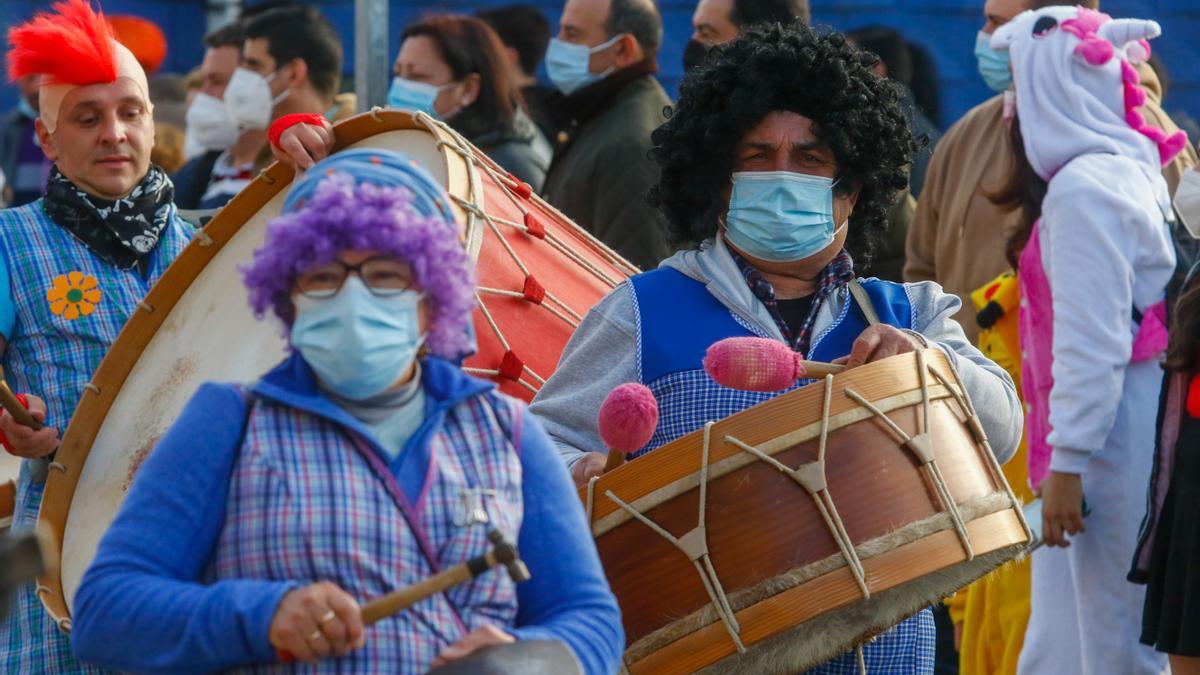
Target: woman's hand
(1062,508)
(316,622)
(879,342)
(591,464)
(302,145)
(487,636)
(25,442)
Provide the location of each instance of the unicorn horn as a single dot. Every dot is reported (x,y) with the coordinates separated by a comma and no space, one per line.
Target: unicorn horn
(1121,32)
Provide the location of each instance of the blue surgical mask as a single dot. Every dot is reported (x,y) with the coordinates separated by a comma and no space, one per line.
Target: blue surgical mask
(567,64)
(412,95)
(993,64)
(780,216)
(359,344)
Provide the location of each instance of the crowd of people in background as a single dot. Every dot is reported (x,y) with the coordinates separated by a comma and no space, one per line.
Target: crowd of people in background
(972,215)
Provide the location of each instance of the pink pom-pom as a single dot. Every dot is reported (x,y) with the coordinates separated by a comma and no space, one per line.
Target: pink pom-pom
(1144,56)
(1129,74)
(628,418)
(753,364)
(1096,52)
(1171,146)
(1135,97)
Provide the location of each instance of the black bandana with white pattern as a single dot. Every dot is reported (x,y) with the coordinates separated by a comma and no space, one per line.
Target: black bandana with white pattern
(121,232)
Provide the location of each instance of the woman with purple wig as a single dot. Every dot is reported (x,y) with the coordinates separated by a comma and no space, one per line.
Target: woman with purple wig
(364,463)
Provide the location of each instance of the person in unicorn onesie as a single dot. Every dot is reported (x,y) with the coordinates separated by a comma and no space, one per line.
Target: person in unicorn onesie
(363,463)
(775,187)
(1095,257)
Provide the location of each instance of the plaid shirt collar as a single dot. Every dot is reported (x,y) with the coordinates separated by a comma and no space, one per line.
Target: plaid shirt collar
(835,275)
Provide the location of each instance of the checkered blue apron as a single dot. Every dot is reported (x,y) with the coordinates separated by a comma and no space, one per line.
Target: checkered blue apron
(52,352)
(307,503)
(678,319)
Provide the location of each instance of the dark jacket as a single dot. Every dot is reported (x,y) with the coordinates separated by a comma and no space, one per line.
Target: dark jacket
(602,172)
(192,179)
(15,127)
(537,102)
(521,149)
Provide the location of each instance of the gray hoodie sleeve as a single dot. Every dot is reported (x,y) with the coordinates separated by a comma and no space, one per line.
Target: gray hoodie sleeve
(602,354)
(991,389)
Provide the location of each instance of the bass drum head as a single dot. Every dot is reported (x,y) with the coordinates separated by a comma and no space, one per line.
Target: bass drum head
(196,326)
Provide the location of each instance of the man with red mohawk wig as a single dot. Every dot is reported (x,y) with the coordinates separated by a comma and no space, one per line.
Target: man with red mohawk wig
(77,262)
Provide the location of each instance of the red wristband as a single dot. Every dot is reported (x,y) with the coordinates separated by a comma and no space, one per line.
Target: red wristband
(23,400)
(1193,398)
(288,121)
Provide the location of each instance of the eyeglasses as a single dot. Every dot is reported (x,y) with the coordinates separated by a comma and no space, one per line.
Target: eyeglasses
(381,275)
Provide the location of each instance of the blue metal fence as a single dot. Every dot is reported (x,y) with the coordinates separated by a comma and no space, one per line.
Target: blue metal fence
(946,28)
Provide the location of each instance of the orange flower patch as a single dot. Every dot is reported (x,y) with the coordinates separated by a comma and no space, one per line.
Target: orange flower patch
(73,295)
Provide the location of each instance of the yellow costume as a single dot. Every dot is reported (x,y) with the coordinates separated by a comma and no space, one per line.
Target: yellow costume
(994,611)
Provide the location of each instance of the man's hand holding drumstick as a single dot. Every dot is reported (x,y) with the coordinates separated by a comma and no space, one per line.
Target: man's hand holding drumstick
(21,420)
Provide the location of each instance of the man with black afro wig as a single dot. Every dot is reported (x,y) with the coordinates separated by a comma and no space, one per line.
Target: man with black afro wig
(778,167)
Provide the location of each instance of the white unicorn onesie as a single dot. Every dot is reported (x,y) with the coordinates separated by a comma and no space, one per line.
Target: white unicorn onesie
(1092,280)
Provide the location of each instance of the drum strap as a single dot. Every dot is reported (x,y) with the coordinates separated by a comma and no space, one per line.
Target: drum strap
(864,302)
(410,517)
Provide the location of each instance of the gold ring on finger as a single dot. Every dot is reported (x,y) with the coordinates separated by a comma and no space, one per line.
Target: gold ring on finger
(329,616)
(316,635)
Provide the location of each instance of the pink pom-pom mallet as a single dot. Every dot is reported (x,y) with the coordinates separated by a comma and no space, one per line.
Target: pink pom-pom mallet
(760,364)
(627,420)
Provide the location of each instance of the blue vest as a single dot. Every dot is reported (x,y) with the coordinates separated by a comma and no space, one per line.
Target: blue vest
(70,306)
(678,319)
(306,505)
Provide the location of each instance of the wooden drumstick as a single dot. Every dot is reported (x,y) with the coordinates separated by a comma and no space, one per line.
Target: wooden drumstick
(819,369)
(503,553)
(10,402)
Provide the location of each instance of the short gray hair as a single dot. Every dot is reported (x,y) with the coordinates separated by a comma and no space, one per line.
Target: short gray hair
(639,18)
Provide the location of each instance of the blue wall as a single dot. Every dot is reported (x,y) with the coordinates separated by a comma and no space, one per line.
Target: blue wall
(945,27)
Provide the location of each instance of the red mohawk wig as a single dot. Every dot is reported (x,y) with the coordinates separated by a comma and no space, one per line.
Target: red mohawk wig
(74,46)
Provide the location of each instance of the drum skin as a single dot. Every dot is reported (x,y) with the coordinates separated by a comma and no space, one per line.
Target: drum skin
(777,561)
(538,275)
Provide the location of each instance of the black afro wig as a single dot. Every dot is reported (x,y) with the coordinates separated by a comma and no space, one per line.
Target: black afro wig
(776,68)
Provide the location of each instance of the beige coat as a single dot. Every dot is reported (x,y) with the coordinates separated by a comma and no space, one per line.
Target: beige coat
(958,235)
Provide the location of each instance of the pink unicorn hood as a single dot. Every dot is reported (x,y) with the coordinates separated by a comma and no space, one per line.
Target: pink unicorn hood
(1077,89)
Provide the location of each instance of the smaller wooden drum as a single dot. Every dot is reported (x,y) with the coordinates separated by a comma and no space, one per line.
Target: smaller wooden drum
(784,535)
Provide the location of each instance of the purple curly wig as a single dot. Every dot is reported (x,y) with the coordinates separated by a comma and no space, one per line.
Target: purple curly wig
(344,214)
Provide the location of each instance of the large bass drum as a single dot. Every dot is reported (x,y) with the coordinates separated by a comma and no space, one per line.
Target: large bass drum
(538,275)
